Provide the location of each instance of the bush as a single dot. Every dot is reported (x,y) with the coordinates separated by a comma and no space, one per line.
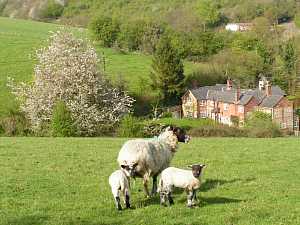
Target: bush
(62,124)
(105,29)
(14,124)
(217,130)
(259,124)
(52,10)
(131,35)
(130,126)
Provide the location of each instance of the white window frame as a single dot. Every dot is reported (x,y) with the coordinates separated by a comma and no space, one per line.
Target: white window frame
(241,109)
(225,106)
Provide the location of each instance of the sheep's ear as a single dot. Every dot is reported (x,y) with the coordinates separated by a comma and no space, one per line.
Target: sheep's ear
(190,166)
(123,166)
(203,165)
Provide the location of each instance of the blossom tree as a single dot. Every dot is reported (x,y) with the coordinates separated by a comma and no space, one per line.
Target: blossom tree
(68,71)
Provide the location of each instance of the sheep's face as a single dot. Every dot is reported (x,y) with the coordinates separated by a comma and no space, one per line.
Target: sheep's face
(129,170)
(180,134)
(197,169)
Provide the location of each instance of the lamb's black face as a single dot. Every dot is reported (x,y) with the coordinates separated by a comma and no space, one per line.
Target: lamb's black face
(181,135)
(129,170)
(197,169)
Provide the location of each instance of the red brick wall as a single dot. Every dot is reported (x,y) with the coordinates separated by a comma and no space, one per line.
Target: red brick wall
(283,114)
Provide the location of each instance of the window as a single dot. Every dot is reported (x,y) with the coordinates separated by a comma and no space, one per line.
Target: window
(202,115)
(225,106)
(202,102)
(241,109)
(282,125)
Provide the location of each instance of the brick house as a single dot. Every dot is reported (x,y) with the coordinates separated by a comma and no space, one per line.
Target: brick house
(225,103)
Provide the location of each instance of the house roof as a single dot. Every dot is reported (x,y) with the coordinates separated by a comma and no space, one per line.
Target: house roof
(220,93)
(271,101)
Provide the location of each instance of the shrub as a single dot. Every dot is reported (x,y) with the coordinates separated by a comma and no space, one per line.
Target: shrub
(52,10)
(105,29)
(131,34)
(259,124)
(14,124)
(62,124)
(217,130)
(130,126)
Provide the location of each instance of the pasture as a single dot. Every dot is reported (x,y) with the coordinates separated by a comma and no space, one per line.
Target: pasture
(19,39)
(65,181)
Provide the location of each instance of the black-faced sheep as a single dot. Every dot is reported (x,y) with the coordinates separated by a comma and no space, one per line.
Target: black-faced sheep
(119,181)
(147,158)
(186,179)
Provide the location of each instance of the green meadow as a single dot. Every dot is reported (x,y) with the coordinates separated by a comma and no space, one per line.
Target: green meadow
(65,181)
(19,40)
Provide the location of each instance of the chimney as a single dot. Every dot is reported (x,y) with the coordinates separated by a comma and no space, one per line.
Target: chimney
(229,84)
(268,89)
(237,94)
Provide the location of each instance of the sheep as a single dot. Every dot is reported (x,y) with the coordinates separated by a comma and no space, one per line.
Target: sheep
(120,181)
(147,158)
(186,179)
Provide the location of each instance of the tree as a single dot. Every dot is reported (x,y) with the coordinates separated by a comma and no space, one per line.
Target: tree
(67,71)
(105,29)
(290,58)
(209,12)
(167,72)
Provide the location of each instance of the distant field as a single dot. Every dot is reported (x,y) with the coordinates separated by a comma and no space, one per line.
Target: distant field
(19,39)
(65,181)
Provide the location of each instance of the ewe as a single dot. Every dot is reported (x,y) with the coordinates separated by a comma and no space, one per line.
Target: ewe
(186,179)
(147,158)
(119,181)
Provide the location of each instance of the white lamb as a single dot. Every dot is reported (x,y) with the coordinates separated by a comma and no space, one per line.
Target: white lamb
(120,181)
(186,179)
(147,158)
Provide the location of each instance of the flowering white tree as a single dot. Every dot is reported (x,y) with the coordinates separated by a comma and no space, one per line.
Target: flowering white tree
(68,71)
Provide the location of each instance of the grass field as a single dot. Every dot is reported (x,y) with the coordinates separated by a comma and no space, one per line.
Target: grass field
(65,181)
(19,39)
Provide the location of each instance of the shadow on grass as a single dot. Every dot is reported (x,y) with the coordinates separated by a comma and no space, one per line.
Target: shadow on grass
(148,201)
(202,201)
(29,220)
(214,183)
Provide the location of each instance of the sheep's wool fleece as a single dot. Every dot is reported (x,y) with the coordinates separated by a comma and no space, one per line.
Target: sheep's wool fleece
(152,155)
(118,180)
(179,178)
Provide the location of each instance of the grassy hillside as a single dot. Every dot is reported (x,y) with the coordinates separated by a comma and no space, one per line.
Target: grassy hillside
(20,38)
(65,181)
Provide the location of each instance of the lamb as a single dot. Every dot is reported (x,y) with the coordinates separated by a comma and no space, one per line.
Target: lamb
(147,158)
(186,179)
(120,181)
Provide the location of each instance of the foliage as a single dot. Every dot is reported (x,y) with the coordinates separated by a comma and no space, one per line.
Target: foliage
(130,126)
(259,124)
(52,10)
(105,29)
(14,123)
(217,131)
(62,124)
(209,12)
(167,72)
(199,78)
(68,71)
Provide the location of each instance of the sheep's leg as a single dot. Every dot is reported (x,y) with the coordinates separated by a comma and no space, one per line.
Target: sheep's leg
(145,183)
(154,187)
(171,201)
(194,198)
(117,199)
(190,198)
(162,198)
(127,198)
